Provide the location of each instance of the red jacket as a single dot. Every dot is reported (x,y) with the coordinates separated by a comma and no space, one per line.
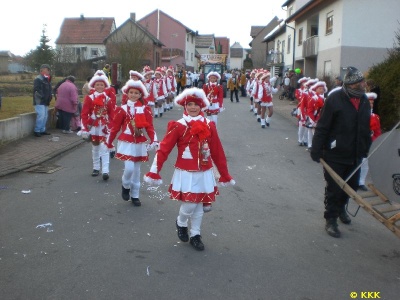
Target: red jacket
(375,126)
(189,149)
(125,115)
(97,108)
(314,107)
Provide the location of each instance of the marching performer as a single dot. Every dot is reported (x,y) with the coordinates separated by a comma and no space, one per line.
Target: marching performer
(171,87)
(133,75)
(375,127)
(302,111)
(193,181)
(265,92)
(133,119)
(249,88)
(215,96)
(314,106)
(161,93)
(97,115)
(150,87)
(255,93)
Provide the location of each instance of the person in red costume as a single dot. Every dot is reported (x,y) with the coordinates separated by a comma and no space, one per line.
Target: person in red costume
(97,115)
(133,75)
(375,127)
(132,119)
(199,148)
(215,96)
(301,97)
(314,106)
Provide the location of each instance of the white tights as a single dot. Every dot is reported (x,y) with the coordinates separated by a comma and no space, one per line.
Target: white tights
(131,177)
(194,212)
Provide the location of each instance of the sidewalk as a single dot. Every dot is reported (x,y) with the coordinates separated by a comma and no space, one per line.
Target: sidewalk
(31,151)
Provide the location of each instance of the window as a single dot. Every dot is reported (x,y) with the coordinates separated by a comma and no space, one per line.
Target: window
(94,52)
(187,55)
(78,51)
(283,47)
(290,11)
(191,56)
(289,40)
(301,36)
(329,23)
(187,38)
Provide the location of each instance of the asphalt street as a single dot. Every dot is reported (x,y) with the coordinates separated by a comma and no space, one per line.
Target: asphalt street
(73,237)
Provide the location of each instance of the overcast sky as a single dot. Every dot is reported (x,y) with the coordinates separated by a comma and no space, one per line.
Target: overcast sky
(21,23)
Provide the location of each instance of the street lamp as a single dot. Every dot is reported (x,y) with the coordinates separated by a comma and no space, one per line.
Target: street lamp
(170,56)
(294,42)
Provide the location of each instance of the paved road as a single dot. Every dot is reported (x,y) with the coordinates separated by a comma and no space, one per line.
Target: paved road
(73,237)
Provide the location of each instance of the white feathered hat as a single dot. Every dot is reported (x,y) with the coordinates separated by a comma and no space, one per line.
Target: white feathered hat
(99,76)
(318,84)
(136,73)
(137,85)
(192,95)
(216,74)
(371,96)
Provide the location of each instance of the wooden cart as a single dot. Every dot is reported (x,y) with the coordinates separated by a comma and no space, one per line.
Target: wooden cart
(373,201)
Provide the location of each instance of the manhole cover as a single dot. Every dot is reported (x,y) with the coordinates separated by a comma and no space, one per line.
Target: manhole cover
(44,169)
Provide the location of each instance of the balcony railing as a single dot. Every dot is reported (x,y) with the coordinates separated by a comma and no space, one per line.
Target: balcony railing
(275,58)
(310,46)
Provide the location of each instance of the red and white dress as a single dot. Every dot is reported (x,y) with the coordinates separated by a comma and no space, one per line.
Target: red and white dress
(199,147)
(97,115)
(130,146)
(215,95)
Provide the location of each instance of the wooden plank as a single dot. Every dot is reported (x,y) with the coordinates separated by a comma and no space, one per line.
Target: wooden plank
(395,218)
(360,201)
(389,209)
(376,191)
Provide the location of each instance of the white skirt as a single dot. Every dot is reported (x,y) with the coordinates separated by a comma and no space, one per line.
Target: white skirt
(193,186)
(131,151)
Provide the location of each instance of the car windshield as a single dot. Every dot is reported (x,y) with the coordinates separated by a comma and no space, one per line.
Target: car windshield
(212,68)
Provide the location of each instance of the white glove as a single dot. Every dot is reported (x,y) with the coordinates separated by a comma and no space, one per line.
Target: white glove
(85,134)
(153,146)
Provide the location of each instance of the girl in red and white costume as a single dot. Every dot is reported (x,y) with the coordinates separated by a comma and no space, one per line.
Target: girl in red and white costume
(375,127)
(133,75)
(249,88)
(171,87)
(314,106)
(199,147)
(255,93)
(97,115)
(265,92)
(215,96)
(132,118)
(161,93)
(301,111)
(150,87)
(307,94)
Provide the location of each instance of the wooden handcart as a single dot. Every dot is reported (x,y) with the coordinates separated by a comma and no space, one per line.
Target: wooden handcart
(373,201)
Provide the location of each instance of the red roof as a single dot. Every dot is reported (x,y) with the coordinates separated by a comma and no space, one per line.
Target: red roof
(85,30)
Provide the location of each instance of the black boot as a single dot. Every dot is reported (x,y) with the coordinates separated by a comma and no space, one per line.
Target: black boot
(331,228)
(136,202)
(196,242)
(182,232)
(125,193)
(344,217)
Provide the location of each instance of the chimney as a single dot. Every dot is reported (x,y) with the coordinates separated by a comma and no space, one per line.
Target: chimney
(133,17)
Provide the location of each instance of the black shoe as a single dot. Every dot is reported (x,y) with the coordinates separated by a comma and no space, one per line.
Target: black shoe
(363,188)
(196,242)
(182,233)
(331,228)
(125,193)
(262,126)
(105,176)
(267,124)
(300,144)
(112,154)
(259,120)
(45,133)
(161,115)
(344,217)
(136,202)
(95,173)
(37,134)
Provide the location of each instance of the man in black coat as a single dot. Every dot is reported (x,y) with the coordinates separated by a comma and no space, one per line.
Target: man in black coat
(41,99)
(342,138)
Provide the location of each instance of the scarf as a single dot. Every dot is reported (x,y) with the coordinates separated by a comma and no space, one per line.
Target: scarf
(353,93)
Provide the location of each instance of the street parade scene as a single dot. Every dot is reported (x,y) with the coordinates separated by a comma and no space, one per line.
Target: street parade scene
(211,172)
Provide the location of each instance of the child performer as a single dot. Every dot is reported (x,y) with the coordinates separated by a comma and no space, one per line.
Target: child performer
(171,87)
(97,115)
(249,88)
(132,119)
(193,181)
(254,93)
(314,106)
(151,88)
(134,75)
(375,126)
(215,96)
(161,93)
(265,92)
(301,111)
